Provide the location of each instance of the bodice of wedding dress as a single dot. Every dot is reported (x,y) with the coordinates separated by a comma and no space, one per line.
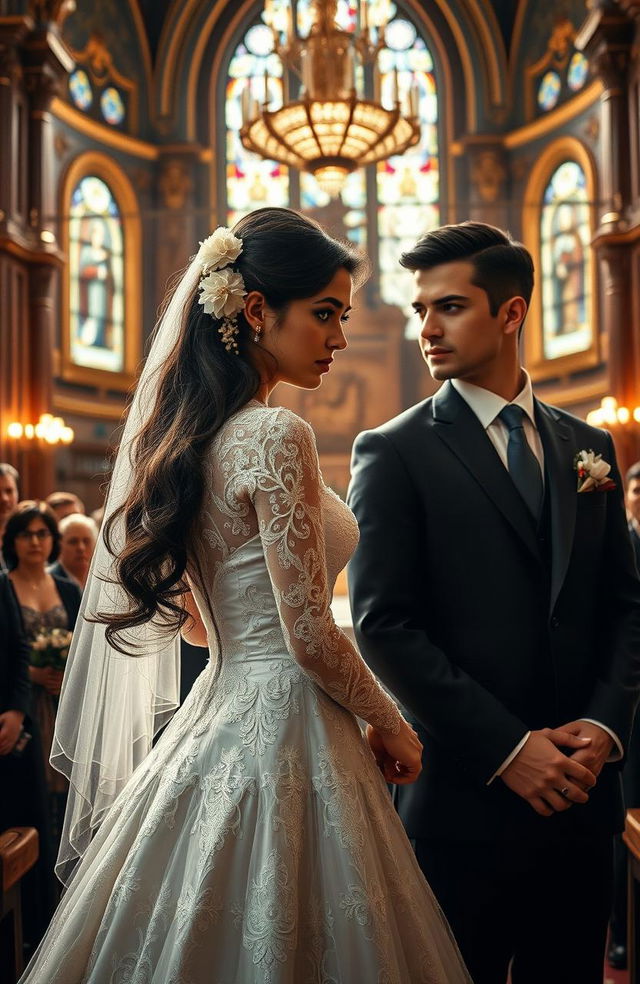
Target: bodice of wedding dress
(270,542)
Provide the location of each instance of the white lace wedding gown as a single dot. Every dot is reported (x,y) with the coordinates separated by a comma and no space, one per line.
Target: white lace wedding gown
(257,843)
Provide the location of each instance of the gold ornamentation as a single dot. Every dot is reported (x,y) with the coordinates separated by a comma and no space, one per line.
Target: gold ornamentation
(488,174)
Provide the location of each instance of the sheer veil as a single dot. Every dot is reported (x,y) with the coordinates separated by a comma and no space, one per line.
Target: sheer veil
(112,705)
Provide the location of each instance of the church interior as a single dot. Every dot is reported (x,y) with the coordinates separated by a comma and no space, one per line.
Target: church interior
(131,129)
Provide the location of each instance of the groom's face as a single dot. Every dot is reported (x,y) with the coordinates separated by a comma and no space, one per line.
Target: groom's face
(459,337)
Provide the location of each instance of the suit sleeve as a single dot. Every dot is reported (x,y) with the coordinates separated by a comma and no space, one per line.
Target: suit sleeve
(615,696)
(389,595)
(17,655)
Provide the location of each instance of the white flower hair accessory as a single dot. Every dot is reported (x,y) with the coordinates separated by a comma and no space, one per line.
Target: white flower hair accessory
(222,291)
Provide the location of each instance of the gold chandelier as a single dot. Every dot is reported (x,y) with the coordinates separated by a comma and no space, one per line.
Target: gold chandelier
(330,130)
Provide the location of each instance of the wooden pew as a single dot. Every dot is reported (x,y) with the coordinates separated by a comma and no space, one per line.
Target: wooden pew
(631,838)
(18,853)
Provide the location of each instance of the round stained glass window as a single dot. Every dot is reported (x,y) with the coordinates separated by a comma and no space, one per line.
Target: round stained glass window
(112,106)
(549,91)
(578,71)
(259,40)
(400,35)
(80,89)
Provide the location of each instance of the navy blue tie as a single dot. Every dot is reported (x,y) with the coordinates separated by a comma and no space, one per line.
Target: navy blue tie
(523,464)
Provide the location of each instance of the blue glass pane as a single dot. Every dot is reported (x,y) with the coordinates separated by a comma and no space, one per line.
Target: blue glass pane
(578,71)
(80,89)
(549,90)
(112,106)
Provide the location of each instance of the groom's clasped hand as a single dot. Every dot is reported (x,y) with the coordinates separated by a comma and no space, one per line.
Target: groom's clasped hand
(558,766)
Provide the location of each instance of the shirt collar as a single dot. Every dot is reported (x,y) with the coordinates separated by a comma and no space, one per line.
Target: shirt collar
(487,405)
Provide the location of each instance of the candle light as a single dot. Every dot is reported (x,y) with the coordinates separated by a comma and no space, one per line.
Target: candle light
(364,16)
(396,88)
(266,87)
(245,104)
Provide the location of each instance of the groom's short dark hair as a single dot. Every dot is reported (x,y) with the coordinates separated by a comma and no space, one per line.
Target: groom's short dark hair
(503,267)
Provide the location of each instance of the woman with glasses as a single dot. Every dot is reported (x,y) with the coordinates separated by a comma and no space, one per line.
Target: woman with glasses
(47,603)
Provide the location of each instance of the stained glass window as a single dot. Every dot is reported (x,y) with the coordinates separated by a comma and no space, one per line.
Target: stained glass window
(549,90)
(112,106)
(565,237)
(80,89)
(96,265)
(578,71)
(251,181)
(407,187)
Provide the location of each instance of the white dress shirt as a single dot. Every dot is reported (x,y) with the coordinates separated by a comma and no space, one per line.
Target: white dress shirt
(486,406)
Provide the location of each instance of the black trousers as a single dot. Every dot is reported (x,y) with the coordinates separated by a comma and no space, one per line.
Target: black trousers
(541,909)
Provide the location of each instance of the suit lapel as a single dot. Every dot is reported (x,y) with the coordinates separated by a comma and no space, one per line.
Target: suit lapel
(457,425)
(557,438)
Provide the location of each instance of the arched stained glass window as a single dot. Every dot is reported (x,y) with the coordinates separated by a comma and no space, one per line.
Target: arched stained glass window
(251,181)
(392,203)
(408,186)
(96,281)
(565,236)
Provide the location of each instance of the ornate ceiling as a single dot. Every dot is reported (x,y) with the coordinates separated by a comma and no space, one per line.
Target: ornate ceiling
(155,11)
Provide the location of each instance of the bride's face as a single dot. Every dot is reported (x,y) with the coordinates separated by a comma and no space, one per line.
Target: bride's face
(305,341)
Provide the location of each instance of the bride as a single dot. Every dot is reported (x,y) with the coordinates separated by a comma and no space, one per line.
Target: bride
(255,842)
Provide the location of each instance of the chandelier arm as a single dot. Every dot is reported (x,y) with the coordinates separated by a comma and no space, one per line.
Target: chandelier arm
(354,100)
(307,106)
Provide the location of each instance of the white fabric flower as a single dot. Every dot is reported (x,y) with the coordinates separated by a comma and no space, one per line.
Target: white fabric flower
(222,293)
(594,465)
(221,249)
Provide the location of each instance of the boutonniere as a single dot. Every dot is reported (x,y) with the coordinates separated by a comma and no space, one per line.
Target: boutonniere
(593,472)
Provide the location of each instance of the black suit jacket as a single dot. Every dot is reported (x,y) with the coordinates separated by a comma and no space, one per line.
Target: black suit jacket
(15,688)
(478,626)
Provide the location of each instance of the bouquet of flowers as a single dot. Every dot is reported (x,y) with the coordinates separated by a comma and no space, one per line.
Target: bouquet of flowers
(51,648)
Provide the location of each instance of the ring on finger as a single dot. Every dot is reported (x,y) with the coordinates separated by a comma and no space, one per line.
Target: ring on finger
(564,791)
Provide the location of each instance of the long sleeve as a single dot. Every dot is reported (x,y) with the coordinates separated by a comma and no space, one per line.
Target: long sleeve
(286,497)
(16,657)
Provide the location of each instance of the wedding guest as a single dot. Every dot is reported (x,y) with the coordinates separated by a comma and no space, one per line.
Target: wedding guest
(78,535)
(64,504)
(47,603)
(632,502)
(495,594)
(23,799)
(617,952)
(9,481)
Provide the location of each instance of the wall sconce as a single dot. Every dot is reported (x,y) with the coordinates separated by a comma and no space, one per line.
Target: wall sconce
(50,429)
(612,415)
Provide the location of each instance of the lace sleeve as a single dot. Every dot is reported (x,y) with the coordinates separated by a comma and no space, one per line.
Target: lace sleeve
(286,497)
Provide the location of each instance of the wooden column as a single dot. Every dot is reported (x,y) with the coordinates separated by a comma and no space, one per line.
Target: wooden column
(607,39)
(30,259)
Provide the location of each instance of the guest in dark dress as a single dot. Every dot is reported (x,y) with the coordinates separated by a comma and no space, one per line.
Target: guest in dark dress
(617,954)
(49,608)
(23,791)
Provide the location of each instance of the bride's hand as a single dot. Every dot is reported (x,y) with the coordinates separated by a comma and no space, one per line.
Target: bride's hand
(399,757)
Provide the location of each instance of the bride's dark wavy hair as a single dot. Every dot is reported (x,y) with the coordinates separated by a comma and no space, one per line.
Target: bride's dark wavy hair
(285,256)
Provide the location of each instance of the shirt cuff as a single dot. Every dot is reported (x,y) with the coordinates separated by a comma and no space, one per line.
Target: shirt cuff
(618,753)
(509,759)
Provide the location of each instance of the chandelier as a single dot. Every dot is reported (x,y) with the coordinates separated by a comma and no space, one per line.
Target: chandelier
(332,129)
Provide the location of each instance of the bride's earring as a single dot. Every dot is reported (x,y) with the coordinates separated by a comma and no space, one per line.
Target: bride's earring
(256,337)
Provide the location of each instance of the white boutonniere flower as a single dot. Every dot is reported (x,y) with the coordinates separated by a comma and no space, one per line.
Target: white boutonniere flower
(593,472)
(219,250)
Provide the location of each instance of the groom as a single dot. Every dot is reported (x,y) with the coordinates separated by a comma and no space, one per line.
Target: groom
(494,593)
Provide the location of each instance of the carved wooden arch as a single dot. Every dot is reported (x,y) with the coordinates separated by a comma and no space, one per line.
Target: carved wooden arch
(565,148)
(104,167)
(189,25)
